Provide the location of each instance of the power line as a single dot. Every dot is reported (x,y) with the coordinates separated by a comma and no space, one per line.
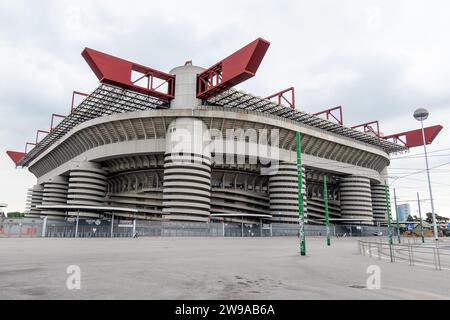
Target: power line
(410,174)
(440,183)
(422,153)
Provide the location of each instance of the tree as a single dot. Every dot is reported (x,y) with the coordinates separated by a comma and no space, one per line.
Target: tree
(439,219)
(15,215)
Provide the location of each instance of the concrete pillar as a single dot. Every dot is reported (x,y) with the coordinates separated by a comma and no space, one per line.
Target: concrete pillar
(356,199)
(186,87)
(55,193)
(283,192)
(87,185)
(379,204)
(34,199)
(187,171)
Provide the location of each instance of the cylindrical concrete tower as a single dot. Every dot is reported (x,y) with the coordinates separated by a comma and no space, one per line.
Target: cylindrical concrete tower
(55,193)
(87,185)
(379,204)
(186,87)
(34,199)
(187,160)
(187,171)
(356,199)
(283,193)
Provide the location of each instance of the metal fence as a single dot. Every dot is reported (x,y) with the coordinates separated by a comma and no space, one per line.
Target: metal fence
(121,228)
(159,228)
(430,254)
(21,228)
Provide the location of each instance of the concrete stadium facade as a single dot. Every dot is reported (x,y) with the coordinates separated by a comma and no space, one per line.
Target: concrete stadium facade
(205,160)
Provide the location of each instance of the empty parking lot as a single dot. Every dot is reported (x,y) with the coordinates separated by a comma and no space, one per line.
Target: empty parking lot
(206,268)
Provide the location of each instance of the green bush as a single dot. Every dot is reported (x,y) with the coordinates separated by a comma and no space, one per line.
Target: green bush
(15,215)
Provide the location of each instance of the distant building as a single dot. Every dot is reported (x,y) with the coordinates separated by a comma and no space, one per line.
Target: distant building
(403,211)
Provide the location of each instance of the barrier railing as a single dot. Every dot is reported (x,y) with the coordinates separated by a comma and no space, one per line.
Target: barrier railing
(429,254)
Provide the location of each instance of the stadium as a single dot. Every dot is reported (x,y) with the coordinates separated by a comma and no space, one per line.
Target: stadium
(187,146)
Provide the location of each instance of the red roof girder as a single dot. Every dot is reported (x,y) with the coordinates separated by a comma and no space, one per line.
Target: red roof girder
(414,138)
(117,71)
(232,70)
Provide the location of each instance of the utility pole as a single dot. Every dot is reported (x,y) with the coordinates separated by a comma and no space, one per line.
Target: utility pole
(388,209)
(420,217)
(396,216)
(325,199)
(300,195)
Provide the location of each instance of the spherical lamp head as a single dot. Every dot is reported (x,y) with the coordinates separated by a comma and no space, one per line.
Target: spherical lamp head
(421,114)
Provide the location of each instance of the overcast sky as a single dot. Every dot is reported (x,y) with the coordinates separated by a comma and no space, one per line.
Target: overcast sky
(378,59)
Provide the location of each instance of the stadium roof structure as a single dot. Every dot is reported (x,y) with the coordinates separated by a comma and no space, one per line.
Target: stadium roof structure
(108,99)
(237,99)
(118,93)
(105,100)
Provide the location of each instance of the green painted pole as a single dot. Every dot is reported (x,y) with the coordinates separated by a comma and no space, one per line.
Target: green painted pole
(388,208)
(325,199)
(300,196)
(396,217)
(420,217)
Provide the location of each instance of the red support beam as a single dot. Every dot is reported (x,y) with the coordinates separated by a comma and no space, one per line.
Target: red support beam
(76,93)
(232,70)
(329,113)
(413,138)
(40,131)
(16,156)
(119,72)
(54,115)
(281,97)
(368,127)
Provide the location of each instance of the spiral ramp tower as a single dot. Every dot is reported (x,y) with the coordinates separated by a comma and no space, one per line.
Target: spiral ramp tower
(87,186)
(356,199)
(283,193)
(187,172)
(55,193)
(379,204)
(34,199)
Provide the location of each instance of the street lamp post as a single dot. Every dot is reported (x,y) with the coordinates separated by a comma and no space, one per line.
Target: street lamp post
(421,114)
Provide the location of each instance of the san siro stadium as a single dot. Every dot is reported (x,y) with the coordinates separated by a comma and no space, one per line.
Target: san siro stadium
(186,146)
